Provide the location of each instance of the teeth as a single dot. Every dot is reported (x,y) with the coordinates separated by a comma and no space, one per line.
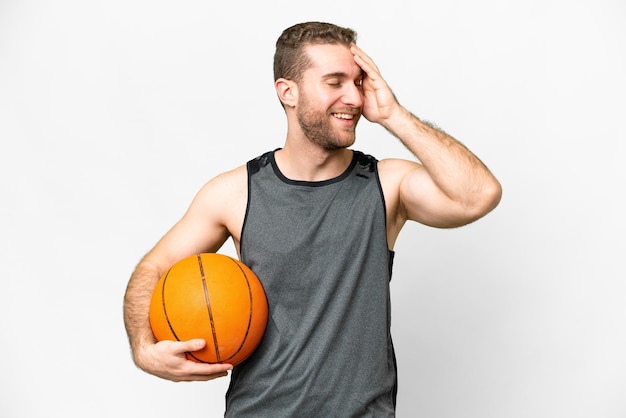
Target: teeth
(343,115)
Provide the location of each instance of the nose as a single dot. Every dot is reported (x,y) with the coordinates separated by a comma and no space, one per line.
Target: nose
(352,95)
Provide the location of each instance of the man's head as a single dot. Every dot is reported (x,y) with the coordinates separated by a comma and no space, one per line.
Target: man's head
(319,83)
(290,58)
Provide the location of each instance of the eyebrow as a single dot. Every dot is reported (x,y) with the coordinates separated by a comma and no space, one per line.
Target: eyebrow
(339,74)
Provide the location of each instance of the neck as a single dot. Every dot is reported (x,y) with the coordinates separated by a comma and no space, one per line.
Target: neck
(307,162)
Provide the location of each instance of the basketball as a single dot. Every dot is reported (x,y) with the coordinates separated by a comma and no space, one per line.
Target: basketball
(214,297)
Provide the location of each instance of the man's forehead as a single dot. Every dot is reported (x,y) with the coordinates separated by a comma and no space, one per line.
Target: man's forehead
(331,58)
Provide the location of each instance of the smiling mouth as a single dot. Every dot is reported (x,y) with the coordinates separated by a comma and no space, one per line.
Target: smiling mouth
(346,116)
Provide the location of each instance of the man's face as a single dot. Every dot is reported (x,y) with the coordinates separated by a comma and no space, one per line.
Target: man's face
(330,97)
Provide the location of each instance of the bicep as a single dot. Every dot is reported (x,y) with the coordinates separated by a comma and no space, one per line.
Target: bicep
(412,195)
(421,200)
(192,234)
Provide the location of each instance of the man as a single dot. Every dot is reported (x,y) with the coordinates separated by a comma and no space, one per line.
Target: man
(317,222)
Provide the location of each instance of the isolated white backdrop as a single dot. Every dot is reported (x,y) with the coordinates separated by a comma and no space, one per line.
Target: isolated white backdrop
(114,113)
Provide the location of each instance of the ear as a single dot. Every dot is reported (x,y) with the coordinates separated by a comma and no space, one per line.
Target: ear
(287,91)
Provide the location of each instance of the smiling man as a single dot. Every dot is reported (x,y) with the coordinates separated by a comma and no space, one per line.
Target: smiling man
(317,222)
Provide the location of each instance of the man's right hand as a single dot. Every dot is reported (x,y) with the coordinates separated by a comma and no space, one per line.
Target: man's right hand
(167,359)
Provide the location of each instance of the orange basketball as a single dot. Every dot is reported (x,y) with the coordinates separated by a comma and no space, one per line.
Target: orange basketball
(213,297)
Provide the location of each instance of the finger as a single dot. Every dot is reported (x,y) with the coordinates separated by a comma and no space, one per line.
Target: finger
(204,371)
(203,377)
(370,72)
(363,60)
(189,346)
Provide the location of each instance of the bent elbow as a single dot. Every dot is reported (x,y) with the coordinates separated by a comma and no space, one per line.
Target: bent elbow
(493,194)
(486,200)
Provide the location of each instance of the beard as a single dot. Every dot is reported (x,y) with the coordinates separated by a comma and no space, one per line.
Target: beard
(319,128)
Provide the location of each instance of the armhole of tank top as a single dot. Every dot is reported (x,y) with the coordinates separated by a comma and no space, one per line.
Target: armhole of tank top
(251,167)
(382,199)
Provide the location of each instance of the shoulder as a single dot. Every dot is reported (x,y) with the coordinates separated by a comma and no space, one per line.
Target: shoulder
(390,171)
(234,183)
(220,204)
(388,168)
(232,177)
(393,170)
(224,187)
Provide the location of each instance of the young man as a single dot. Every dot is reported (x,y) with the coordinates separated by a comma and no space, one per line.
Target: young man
(317,222)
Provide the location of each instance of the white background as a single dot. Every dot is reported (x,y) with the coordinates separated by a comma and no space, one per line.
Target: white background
(113,114)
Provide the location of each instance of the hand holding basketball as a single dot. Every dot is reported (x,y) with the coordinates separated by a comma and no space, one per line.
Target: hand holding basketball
(167,360)
(211,297)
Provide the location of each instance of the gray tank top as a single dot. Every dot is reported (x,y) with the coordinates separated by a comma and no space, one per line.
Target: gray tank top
(320,250)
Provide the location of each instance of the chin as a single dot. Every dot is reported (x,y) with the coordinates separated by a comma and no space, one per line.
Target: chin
(334,146)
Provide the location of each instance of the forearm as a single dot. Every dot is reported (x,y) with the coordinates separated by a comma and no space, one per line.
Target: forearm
(137,306)
(456,171)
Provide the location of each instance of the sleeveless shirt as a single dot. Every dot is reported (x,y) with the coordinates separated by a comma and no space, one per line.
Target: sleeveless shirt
(320,250)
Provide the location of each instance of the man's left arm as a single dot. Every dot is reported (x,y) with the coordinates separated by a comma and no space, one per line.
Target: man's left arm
(450,186)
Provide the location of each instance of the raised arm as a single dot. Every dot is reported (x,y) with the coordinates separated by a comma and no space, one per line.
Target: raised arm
(449,187)
(215,214)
